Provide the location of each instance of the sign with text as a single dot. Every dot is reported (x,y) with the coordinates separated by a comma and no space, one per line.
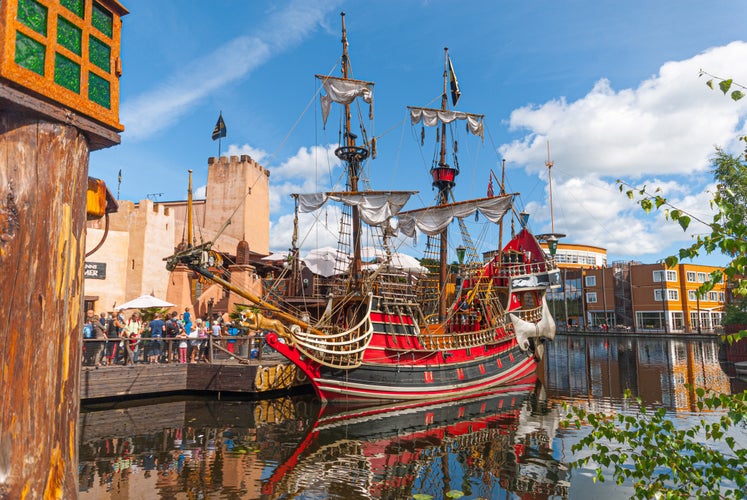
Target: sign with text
(94,270)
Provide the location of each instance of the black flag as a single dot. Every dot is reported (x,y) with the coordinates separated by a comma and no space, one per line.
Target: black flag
(455,92)
(220,128)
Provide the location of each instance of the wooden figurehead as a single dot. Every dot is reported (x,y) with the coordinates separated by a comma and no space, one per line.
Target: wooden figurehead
(59,100)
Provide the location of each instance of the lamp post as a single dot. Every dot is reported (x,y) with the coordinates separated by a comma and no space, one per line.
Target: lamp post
(460,251)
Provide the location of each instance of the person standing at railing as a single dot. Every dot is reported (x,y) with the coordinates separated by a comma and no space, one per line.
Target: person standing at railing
(157,327)
(172,331)
(187,320)
(131,333)
(183,345)
(114,326)
(100,335)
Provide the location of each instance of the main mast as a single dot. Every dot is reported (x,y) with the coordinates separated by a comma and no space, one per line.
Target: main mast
(352,155)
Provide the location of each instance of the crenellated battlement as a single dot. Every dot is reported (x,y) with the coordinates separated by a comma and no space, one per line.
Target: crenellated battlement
(236,161)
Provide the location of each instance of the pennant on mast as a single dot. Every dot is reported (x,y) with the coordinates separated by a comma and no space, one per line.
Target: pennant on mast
(454,84)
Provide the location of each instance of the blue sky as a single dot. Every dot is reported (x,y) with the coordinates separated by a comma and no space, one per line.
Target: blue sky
(613,87)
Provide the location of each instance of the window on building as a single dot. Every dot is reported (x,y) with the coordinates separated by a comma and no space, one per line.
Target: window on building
(671,294)
(591,281)
(591,260)
(591,297)
(691,276)
(717,317)
(713,296)
(721,297)
(692,295)
(659,276)
(702,277)
(650,320)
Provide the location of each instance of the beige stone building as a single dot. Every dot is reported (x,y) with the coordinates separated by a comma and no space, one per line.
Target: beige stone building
(129,262)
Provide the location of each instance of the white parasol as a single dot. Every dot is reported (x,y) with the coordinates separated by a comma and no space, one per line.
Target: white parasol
(144,302)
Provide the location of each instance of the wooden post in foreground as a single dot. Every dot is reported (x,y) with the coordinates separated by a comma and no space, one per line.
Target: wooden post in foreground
(59,100)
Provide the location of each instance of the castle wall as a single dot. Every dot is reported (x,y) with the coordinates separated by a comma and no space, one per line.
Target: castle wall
(113,254)
(138,240)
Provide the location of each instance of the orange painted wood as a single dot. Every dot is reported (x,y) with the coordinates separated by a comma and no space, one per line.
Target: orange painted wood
(43,179)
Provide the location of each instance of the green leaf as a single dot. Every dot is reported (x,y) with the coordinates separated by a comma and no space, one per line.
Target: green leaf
(684,222)
(455,494)
(710,83)
(737,95)
(725,85)
(422,496)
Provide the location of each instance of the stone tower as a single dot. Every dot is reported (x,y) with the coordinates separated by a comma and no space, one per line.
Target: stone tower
(238,188)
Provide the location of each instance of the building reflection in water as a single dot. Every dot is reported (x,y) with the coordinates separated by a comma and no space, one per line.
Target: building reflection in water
(597,371)
(497,445)
(484,446)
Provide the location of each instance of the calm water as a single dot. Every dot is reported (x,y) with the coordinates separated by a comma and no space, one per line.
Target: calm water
(503,445)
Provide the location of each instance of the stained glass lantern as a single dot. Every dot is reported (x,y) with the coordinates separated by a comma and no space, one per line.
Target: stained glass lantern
(66,51)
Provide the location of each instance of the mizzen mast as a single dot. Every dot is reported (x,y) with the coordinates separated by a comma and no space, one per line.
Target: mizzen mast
(444,180)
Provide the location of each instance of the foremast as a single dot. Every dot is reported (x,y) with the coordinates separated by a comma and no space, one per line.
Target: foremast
(353,155)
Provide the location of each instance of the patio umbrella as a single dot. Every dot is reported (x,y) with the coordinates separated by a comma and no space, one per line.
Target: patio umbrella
(144,302)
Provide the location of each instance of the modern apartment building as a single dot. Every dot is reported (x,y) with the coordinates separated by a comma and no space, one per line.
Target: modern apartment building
(634,296)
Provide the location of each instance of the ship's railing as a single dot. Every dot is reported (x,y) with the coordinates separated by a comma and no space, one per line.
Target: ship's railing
(532,315)
(510,270)
(212,349)
(464,339)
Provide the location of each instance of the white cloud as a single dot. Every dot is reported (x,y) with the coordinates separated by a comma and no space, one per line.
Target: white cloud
(160,107)
(669,124)
(660,134)
(258,155)
(318,229)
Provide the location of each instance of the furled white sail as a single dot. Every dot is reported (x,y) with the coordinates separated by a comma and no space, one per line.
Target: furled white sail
(344,91)
(433,221)
(375,207)
(432,117)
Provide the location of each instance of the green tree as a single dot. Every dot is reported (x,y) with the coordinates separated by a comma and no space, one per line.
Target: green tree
(646,447)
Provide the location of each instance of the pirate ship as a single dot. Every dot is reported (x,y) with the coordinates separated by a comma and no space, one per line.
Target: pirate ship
(384,331)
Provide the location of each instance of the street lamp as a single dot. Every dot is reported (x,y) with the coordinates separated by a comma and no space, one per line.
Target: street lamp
(552,244)
(523,219)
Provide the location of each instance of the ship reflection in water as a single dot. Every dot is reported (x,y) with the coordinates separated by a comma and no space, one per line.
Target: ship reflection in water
(506,444)
(483,446)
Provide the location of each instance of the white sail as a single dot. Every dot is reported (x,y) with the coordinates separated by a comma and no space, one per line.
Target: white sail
(434,220)
(375,207)
(432,117)
(344,91)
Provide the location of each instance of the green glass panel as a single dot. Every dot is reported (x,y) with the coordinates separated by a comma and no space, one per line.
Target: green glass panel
(66,73)
(68,35)
(99,53)
(98,90)
(29,53)
(101,19)
(34,15)
(74,6)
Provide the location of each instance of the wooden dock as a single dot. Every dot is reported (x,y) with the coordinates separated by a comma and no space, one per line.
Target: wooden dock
(151,380)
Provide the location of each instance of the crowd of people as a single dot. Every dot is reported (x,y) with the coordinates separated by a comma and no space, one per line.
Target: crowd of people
(169,338)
